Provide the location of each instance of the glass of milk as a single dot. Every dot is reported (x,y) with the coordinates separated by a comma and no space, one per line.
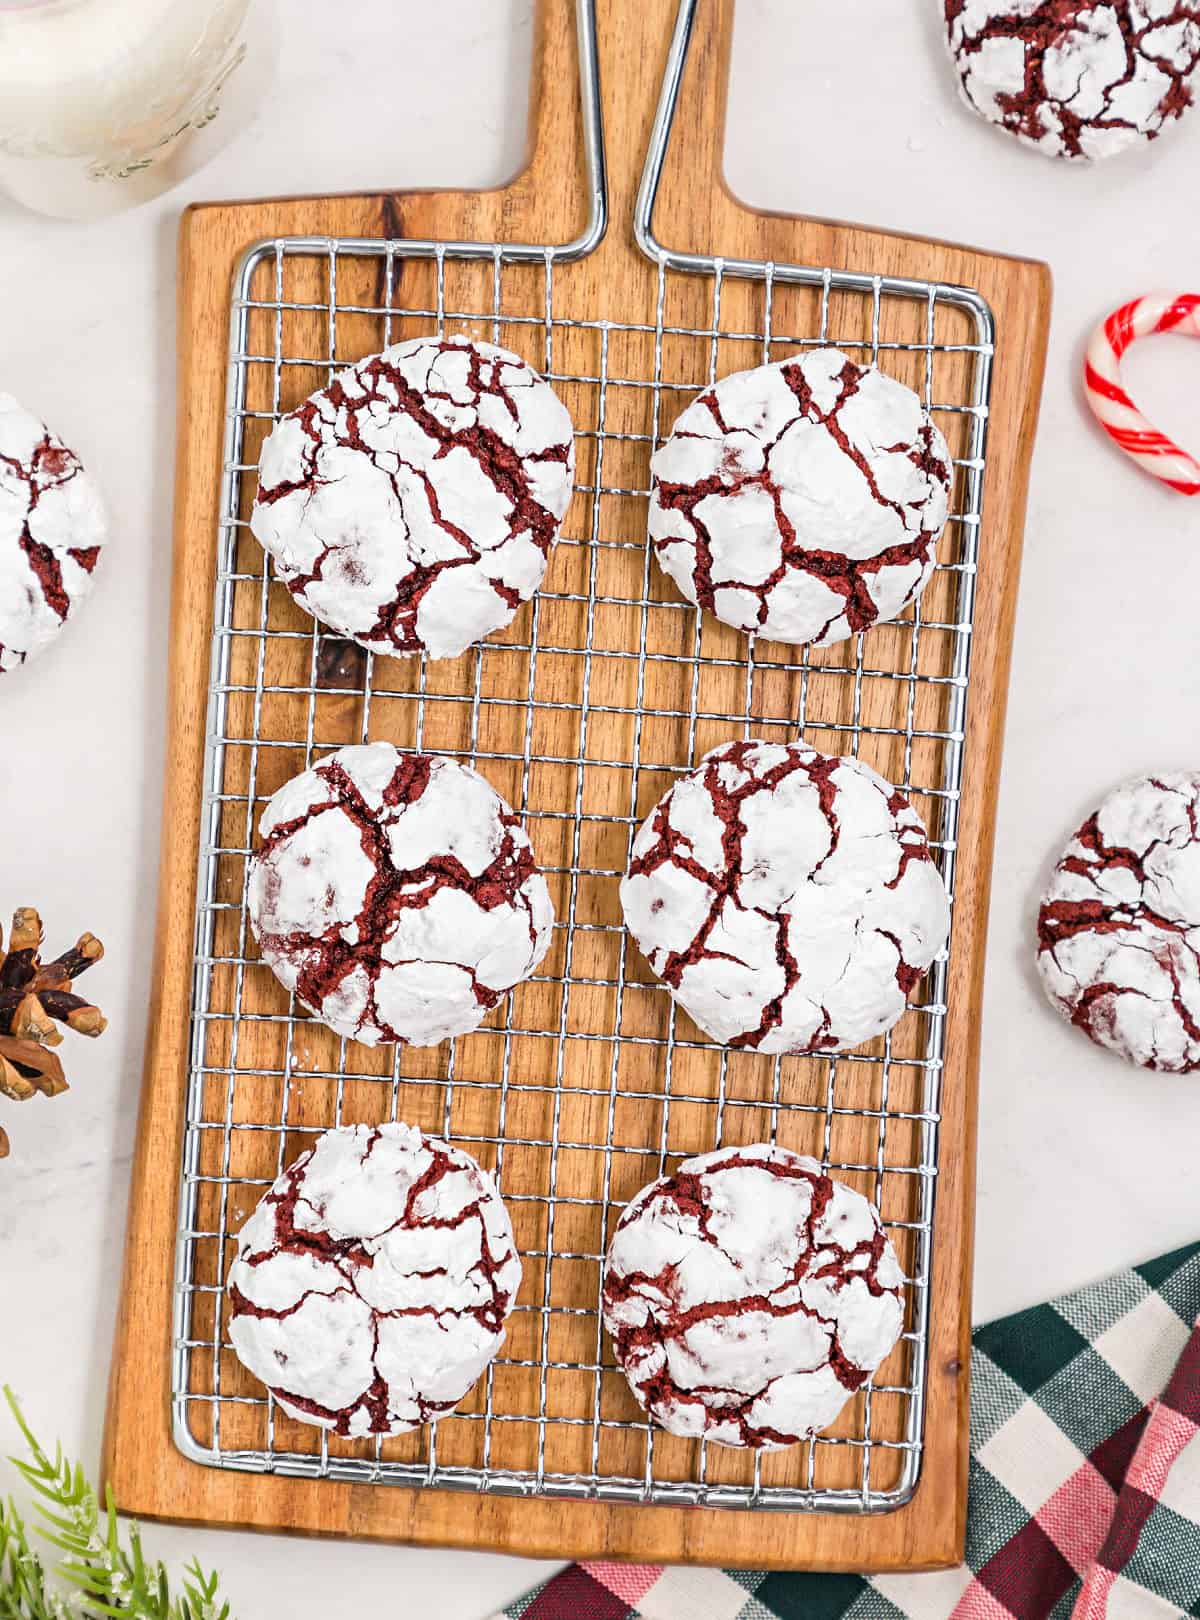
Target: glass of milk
(104,103)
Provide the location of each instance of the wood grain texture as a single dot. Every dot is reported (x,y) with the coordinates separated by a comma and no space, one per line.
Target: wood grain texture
(545,203)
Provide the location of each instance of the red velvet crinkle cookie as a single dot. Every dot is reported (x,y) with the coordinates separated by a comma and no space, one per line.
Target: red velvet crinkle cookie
(413,503)
(52,527)
(1076,78)
(802,500)
(748,1295)
(372,1283)
(396,894)
(787,899)
(1119,928)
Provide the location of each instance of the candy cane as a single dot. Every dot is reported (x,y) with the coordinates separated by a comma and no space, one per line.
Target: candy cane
(1112,406)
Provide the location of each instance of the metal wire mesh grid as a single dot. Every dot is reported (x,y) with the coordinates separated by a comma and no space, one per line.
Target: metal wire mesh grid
(586,1082)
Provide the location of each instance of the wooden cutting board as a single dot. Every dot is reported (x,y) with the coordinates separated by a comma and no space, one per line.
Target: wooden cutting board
(546,203)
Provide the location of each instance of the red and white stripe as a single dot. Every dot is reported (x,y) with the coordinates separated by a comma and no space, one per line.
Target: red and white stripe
(1120,418)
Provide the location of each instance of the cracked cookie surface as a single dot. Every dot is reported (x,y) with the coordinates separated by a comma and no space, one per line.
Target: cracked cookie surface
(396,894)
(802,500)
(786,898)
(372,1283)
(748,1296)
(1076,79)
(1119,927)
(412,504)
(52,527)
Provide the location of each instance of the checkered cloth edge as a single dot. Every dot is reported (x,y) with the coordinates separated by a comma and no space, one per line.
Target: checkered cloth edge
(1084,1490)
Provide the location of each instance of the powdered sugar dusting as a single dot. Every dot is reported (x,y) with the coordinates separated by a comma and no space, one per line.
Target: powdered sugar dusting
(1119,928)
(52,527)
(397,895)
(1076,79)
(372,1283)
(412,504)
(802,500)
(786,898)
(748,1296)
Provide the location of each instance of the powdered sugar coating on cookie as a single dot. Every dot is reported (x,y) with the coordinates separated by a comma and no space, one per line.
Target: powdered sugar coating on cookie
(1076,79)
(396,894)
(748,1296)
(372,1283)
(411,505)
(786,898)
(802,500)
(1119,928)
(52,527)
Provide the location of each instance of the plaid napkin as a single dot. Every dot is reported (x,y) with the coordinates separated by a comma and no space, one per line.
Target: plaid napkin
(1084,1497)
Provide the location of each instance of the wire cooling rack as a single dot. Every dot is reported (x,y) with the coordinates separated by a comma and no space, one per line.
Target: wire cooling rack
(586,1082)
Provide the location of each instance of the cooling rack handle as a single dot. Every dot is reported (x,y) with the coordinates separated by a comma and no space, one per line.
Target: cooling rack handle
(565,118)
(609,82)
(691,99)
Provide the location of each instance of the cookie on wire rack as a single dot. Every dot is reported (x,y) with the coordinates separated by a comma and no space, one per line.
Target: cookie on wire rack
(786,898)
(373,1281)
(396,894)
(802,500)
(412,504)
(748,1296)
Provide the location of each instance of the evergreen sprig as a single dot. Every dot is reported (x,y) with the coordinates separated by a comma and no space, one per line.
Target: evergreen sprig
(100,1576)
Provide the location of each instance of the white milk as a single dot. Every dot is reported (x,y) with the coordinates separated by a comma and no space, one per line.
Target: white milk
(104,103)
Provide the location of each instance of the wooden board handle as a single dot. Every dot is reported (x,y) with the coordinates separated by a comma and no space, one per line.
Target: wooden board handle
(634,38)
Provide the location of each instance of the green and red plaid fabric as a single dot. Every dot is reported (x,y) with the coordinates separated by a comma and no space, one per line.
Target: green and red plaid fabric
(1084,1493)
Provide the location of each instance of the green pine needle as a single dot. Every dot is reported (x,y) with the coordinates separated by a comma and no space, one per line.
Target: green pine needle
(96,1575)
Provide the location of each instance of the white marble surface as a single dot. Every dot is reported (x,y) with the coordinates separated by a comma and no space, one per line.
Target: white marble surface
(841,107)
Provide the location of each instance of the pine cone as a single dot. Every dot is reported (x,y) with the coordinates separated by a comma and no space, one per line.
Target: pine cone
(33,995)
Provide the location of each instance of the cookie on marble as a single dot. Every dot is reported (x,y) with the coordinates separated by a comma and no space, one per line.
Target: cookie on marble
(396,894)
(802,500)
(52,526)
(1119,927)
(372,1283)
(412,504)
(1076,79)
(787,899)
(748,1296)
